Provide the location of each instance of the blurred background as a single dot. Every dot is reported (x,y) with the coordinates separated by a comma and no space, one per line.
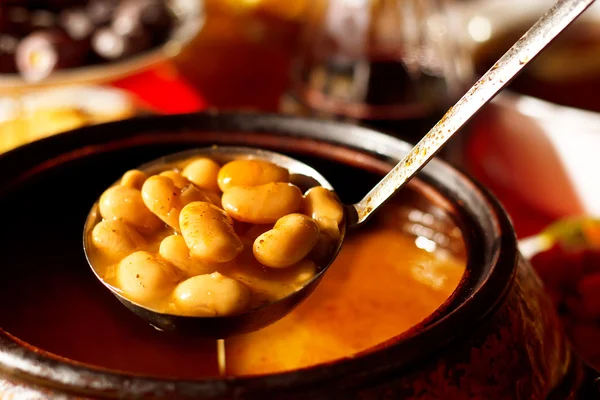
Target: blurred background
(394,65)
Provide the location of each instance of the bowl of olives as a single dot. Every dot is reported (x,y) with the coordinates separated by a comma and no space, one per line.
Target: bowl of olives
(54,42)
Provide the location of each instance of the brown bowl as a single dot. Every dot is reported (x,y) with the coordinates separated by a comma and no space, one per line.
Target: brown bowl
(497,334)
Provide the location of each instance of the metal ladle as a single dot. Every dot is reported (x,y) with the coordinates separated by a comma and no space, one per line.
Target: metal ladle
(548,27)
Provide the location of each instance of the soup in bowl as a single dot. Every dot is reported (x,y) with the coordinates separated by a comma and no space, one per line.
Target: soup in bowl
(430,299)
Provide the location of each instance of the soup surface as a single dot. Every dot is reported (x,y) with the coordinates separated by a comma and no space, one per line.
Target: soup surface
(380,285)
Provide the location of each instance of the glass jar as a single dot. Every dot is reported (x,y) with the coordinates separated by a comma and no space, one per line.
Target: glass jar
(395,65)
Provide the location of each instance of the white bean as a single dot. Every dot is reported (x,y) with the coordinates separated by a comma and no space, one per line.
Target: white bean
(211,295)
(125,204)
(250,173)
(262,204)
(146,277)
(163,198)
(291,239)
(115,239)
(204,173)
(208,232)
(134,179)
(321,203)
(174,249)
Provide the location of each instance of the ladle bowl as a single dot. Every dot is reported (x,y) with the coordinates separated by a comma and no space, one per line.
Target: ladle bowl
(220,327)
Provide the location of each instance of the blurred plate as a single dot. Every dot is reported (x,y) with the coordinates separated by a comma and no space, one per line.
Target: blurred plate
(189,16)
(51,111)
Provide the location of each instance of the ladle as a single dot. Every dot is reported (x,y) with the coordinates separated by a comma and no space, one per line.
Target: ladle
(301,175)
(549,26)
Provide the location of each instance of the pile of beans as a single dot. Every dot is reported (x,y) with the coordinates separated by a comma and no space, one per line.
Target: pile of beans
(39,37)
(572,277)
(202,239)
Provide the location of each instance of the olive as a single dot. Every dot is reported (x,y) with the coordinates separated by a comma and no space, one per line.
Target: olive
(77,23)
(43,52)
(8,46)
(110,45)
(4,20)
(50,5)
(16,21)
(42,19)
(101,11)
(142,15)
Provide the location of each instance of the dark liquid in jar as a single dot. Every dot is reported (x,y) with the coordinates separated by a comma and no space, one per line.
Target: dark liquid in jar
(380,93)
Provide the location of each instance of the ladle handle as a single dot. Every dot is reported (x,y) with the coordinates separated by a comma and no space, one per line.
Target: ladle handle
(495,79)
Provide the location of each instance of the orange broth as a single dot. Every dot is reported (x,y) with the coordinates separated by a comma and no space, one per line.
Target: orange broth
(380,285)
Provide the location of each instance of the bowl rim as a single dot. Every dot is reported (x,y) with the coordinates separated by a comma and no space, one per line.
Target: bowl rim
(18,360)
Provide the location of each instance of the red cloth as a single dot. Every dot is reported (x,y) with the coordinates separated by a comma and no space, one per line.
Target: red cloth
(163,90)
